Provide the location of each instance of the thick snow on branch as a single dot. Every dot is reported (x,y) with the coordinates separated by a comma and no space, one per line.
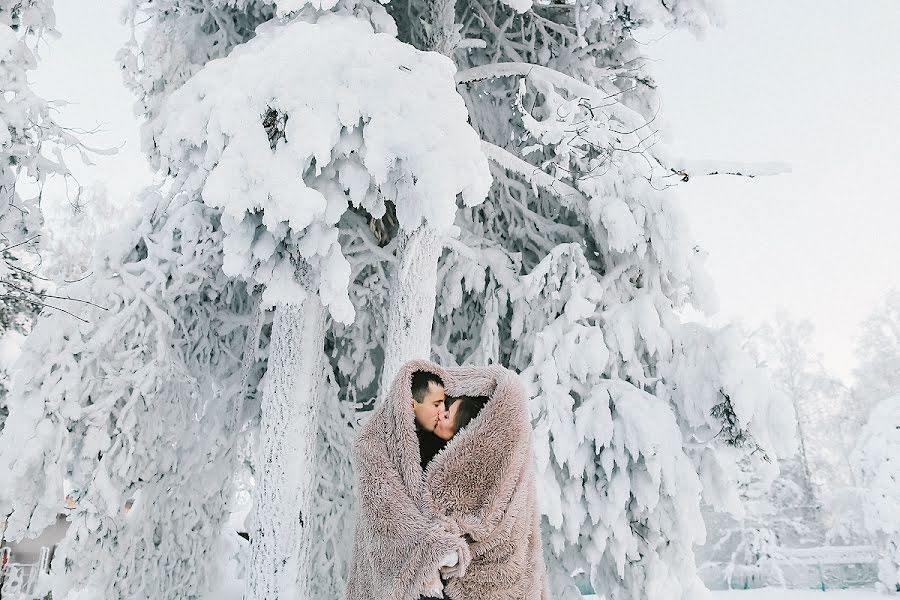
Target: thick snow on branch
(342,128)
(523,69)
(532,174)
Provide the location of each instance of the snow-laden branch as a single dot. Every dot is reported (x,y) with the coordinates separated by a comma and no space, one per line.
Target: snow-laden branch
(523,69)
(469,43)
(687,168)
(533,175)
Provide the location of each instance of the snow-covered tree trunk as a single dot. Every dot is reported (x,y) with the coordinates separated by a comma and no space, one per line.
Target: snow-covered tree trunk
(285,463)
(413,291)
(412,300)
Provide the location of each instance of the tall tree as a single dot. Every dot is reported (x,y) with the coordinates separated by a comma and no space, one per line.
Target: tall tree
(339,144)
(269,177)
(820,401)
(573,272)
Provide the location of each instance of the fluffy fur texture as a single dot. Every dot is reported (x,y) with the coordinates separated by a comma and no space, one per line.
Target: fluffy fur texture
(478,496)
(399,540)
(485,481)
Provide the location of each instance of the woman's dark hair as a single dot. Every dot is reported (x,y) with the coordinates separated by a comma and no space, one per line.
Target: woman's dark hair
(421,380)
(469,407)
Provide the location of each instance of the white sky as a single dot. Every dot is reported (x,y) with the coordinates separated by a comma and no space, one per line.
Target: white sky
(815,83)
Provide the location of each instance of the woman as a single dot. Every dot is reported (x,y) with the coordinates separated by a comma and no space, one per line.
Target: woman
(471,515)
(484,484)
(459,411)
(458,414)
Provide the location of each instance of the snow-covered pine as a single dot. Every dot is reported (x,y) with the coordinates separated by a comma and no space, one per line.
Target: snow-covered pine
(140,401)
(574,272)
(877,471)
(366,132)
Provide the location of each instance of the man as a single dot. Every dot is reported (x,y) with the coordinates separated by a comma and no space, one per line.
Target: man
(428,395)
(401,544)
(428,407)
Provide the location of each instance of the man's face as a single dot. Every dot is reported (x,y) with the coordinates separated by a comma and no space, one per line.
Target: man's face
(429,410)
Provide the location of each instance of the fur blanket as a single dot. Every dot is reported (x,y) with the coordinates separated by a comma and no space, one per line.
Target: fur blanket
(477,497)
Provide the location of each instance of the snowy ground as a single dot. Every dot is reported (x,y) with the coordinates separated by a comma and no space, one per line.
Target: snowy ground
(783,594)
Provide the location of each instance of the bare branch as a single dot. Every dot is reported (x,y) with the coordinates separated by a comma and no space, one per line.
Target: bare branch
(22,243)
(42,295)
(45,305)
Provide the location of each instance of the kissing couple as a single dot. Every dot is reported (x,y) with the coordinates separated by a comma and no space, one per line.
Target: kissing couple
(447,501)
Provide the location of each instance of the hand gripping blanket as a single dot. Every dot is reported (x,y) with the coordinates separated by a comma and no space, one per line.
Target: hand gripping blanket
(477,497)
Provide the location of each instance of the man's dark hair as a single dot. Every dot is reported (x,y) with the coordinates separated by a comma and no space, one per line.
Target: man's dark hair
(469,407)
(420,382)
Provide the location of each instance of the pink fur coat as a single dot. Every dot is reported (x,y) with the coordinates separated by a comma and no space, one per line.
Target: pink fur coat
(477,497)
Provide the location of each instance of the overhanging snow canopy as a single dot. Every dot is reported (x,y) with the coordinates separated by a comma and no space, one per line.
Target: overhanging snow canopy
(353,117)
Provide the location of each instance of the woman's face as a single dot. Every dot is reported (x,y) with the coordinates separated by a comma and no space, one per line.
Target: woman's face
(446,427)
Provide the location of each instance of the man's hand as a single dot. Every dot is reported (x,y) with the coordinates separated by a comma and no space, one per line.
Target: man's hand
(433,586)
(454,564)
(450,560)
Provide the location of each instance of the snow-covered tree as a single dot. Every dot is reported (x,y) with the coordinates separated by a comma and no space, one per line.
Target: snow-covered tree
(273,165)
(574,271)
(72,230)
(31,141)
(343,142)
(139,399)
(877,375)
(19,306)
(821,403)
(876,462)
(750,544)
